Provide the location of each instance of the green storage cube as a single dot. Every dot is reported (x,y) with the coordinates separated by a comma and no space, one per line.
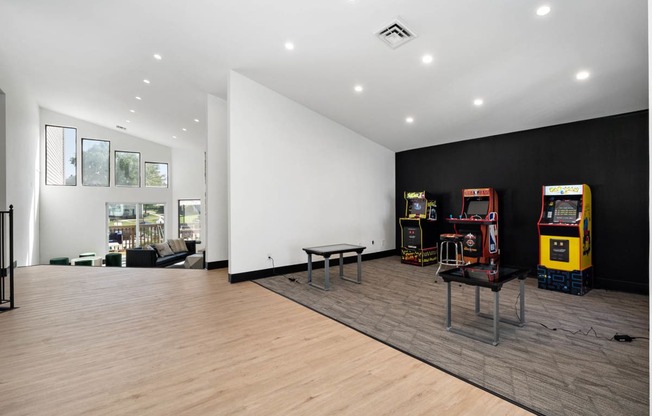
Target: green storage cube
(113,260)
(64,261)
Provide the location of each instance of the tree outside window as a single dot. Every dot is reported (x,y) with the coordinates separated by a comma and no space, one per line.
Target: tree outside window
(127,169)
(156,175)
(95,162)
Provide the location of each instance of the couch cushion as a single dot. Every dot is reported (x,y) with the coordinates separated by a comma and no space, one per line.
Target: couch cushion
(163,249)
(178,245)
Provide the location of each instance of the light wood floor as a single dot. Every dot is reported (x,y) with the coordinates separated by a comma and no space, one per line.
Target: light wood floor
(109,341)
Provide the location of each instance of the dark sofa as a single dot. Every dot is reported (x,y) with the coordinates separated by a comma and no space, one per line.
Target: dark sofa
(142,257)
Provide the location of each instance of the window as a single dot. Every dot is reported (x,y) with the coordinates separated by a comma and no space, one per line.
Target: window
(127,169)
(95,162)
(156,175)
(60,155)
(190,219)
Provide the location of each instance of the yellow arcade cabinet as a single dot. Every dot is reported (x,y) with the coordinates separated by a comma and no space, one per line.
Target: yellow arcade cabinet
(418,229)
(565,234)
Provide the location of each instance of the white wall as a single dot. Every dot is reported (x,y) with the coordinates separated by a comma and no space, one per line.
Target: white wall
(73,218)
(188,182)
(216,181)
(3,155)
(22,167)
(298,179)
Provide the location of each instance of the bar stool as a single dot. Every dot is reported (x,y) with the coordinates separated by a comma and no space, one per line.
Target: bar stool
(448,242)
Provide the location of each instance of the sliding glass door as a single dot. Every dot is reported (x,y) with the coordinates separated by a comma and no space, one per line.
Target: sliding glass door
(135,224)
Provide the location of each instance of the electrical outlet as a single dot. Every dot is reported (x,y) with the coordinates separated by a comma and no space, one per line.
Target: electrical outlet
(372,242)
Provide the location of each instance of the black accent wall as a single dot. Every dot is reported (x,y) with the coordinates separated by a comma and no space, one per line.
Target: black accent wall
(609,154)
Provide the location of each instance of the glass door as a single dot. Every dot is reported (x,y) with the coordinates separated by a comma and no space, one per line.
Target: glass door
(151,227)
(135,224)
(190,219)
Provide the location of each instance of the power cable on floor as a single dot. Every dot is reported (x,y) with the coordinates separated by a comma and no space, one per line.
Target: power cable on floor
(617,337)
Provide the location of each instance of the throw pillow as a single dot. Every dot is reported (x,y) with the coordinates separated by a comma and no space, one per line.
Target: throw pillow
(178,245)
(163,249)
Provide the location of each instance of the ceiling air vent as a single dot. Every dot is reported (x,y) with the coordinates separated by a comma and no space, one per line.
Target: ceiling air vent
(395,34)
(117,126)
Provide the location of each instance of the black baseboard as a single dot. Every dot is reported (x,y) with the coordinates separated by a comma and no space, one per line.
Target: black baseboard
(295,268)
(211,265)
(622,286)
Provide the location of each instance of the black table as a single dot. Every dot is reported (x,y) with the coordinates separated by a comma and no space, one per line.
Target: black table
(504,274)
(327,252)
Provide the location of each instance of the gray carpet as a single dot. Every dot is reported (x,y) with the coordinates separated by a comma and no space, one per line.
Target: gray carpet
(552,372)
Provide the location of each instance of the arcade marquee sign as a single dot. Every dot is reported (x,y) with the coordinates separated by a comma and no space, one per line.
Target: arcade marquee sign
(563,190)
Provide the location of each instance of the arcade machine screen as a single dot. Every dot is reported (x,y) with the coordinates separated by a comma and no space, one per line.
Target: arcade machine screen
(565,211)
(477,207)
(417,207)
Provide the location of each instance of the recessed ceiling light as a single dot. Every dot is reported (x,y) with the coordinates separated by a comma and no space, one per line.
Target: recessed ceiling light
(174,137)
(138,98)
(478,102)
(409,119)
(427,59)
(289,46)
(196,120)
(146,81)
(157,57)
(132,111)
(184,129)
(543,10)
(358,88)
(582,75)
(128,121)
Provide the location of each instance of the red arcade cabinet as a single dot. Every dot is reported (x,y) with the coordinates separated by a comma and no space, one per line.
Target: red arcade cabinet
(478,225)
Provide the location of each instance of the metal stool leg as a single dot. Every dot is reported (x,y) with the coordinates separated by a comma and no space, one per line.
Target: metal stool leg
(441,259)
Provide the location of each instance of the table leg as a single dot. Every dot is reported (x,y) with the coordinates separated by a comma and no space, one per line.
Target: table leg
(341,264)
(477,300)
(327,280)
(360,267)
(496,316)
(522,288)
(309,268)
(448,306)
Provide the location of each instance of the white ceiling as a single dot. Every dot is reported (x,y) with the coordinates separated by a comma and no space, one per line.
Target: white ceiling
(88,59)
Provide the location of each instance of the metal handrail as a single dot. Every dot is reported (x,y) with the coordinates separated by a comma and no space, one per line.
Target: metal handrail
(7,265)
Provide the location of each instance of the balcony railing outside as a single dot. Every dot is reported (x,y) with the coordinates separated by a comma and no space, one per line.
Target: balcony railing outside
(149,234)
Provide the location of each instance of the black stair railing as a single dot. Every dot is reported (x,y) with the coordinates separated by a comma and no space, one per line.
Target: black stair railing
(7,300)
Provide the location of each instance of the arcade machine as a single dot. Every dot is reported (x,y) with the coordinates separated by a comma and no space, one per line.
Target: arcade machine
(418,233)
(478,225)
(565,258)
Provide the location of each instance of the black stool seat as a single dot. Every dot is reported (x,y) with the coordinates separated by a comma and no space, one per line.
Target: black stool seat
(451,237)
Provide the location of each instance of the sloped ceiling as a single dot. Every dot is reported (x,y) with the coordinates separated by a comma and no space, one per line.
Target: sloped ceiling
(88,59)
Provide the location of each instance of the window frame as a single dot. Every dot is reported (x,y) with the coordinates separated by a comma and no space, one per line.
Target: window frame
(108,162)
(47,155)
(115,163)
(167,175)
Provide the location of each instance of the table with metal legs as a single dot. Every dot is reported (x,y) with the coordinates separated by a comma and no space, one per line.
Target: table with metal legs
(326,252)
(505,274)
